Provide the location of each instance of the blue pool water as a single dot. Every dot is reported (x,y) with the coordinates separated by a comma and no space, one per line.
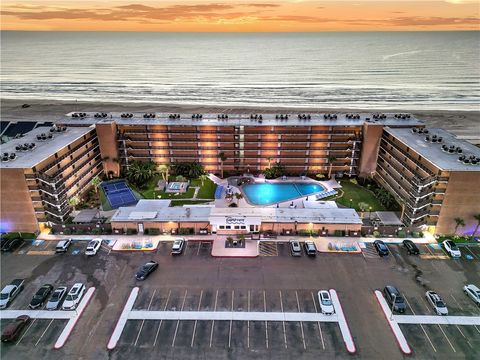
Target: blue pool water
(266,194)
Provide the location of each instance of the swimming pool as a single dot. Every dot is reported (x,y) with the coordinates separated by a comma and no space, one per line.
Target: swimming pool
(266,194)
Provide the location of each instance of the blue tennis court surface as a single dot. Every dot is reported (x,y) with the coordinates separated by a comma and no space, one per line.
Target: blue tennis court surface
(119,194)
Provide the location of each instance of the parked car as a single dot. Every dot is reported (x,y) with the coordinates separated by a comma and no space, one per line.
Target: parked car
(74,296)
(93,247)
(451,248)
(381,248)
(40,296)
(13,330)
(178,246)
(9,292)
(437,303)
(394,298)
(411,247)
(326,305)
(11,244)
(310,248)
(295,248)
(63,245)
(146,270)
(473,292)
(57,298)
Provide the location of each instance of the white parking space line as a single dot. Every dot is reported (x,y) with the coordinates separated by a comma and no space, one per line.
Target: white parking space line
(266,324)
(470,251)
(446,337)
(421,326)
(195,325)
(199,245)
(301,324)
(160,324)
(230,330)
(248,322)
(283,322)
(25,332)
(213,321)
(122,320)
(178,321)
(143,321)
(460,330)
(41,336)
(318,323)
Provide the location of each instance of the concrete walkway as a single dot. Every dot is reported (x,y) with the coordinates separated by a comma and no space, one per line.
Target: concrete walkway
(219,249)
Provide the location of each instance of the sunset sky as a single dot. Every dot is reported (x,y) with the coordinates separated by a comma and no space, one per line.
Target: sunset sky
(233,15)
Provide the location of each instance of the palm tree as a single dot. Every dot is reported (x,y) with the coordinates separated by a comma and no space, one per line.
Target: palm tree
(269,159)
(164,170)
(330,159)
(96,183)
(203,177)
(222,157)
(476,217)
(363,207)
(141,172)
(458,222)
(239,196)
(74,201)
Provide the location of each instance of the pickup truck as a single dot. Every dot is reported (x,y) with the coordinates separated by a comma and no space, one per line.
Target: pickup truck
(9,292)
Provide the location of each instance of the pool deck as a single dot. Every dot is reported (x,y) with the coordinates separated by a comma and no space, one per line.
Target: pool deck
(298,202)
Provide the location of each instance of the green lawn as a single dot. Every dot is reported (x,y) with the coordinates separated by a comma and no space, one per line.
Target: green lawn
(357,194)
(103,199)
(188,202)
(207,191)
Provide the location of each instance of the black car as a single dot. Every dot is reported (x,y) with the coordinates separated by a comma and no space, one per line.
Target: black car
(412,249)
(394,298)
(146,270)
(381,248)
(11,244)
(40,296)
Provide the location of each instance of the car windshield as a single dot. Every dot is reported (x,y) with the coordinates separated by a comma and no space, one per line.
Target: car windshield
(326,302)
(3,296)
(382,246)
(55,296)
(440,304)
(399,300)
(452,245)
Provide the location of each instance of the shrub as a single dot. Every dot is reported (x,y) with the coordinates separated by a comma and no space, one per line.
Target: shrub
(79,231)
(401,233)
(338,233)
(376,234)
(153,231)
(131,231)
(185,231)
(67,231)
(96,231)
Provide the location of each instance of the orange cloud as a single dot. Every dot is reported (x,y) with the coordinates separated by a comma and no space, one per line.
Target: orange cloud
(275,15)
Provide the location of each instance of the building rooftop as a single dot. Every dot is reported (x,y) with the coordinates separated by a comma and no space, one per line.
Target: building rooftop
(344,119)
(158,210)
(29,155)
(439,147)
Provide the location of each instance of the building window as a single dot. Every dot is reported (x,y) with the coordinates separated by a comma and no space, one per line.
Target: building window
(56,156)
(237,227)
(222,227)
(243,227)
(228,227)
(252,228)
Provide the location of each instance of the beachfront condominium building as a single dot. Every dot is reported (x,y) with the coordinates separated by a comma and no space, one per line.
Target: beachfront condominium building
(41,171)
(301,143)
(431,174)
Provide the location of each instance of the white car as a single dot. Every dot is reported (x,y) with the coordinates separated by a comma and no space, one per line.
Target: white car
(93,246)
(177,246)
(473,292)
(74,296)
(326,305)
(437,303)
(451,248)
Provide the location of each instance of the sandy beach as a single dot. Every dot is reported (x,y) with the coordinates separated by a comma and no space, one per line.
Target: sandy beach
(465,124)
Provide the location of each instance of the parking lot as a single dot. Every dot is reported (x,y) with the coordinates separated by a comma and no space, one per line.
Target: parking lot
(245,337)
(272,282)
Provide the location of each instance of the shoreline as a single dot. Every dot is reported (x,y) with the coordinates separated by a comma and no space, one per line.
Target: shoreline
(462,123)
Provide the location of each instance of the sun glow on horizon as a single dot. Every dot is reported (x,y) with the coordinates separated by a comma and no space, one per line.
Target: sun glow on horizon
(240,16)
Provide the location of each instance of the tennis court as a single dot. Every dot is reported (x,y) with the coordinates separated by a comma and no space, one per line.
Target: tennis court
(119,194)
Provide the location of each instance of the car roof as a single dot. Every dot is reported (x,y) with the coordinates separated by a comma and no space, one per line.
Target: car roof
(473,287)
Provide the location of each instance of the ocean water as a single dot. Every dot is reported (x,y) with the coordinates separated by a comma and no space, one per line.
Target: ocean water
(403,70)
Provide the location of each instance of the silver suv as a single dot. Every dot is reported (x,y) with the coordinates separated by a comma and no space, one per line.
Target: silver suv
(310,248)
(437,303)
(295,248)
